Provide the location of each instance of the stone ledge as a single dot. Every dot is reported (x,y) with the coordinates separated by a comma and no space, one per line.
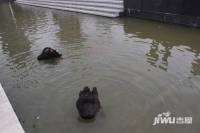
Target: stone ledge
(9,122)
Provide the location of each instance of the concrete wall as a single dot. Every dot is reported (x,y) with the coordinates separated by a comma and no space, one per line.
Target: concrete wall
(185,12)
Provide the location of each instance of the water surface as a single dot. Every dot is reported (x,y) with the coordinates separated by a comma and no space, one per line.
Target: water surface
(141,68)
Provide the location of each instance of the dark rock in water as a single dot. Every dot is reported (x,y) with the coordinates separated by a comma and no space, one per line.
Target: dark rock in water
(49,53)
(88,103)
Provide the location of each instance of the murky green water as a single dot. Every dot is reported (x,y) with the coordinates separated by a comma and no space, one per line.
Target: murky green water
(141,68)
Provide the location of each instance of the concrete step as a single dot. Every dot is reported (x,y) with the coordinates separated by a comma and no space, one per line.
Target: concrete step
(82,7)
(113,2)
(106,4)
(106,8)
(74,10)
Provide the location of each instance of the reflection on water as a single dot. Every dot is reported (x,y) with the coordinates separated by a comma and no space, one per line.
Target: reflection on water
(164,39)
(195,66)
(141,68)
(153,56)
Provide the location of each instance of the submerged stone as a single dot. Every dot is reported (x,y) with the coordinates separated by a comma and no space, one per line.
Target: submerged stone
(88,103)
(49,53)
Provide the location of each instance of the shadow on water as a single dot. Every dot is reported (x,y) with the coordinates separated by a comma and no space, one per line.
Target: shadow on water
(50,62)
(85,121)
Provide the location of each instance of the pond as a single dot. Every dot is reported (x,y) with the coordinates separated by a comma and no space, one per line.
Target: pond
(141,68)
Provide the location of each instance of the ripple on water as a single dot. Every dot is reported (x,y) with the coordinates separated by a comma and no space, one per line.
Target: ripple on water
(138,70)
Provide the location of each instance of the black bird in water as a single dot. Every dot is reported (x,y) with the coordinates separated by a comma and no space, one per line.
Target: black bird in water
(49,53)
(88,103)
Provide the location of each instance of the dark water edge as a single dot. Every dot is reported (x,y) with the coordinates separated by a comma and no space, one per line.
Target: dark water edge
(6,1)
